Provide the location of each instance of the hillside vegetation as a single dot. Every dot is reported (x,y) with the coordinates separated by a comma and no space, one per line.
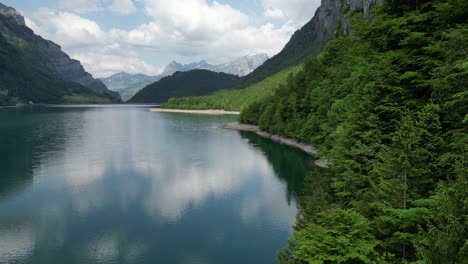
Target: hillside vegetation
(23,79)
(305,42)
(234,99)
(388,107)
(191,83)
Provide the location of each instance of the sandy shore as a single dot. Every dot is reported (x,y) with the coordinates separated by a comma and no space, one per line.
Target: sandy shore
(311,150)
(204,112)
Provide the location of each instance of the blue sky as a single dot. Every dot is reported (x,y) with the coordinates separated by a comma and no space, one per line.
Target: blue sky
(109,36)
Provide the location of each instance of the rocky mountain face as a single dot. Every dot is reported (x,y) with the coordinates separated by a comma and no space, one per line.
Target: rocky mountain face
(240,67)
(129,84)
(174,66)
(49,54)
(312,37)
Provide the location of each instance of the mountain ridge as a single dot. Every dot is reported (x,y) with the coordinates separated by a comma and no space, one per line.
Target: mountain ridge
(240,66)
(47,53)
(310,39)
(191,83)
(129,84)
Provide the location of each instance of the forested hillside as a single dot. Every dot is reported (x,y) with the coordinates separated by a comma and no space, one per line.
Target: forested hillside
(329,20)
(33,69)
(26,81)
(191,83)
(307,41)
(234,99)
(388,108)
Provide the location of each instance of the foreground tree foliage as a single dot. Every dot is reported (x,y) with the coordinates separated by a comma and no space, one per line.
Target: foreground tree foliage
(338,236)
(388,107)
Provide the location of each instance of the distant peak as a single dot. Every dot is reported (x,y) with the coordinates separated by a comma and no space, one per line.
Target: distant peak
(262,55)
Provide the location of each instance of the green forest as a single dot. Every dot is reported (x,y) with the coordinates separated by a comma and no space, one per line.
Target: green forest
(388,108)
(191,83)
(233,99)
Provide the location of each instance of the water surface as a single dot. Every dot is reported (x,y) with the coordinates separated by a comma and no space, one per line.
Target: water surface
(124,185)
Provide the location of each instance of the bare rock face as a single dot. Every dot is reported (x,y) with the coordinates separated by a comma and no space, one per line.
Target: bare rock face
(71,69)
(241,66)
(12,14)
(50,54)
(313,36)
(363,6)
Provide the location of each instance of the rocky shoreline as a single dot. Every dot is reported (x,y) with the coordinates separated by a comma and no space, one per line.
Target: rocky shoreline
(309,149)
(205,112)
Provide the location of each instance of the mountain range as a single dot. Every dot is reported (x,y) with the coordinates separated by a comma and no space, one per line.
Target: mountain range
(37,70)
(306,42)
(129,84)
(240,66)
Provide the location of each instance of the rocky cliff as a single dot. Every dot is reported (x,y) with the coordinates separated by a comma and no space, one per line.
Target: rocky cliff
(312,37)
(240,66)
(49,54)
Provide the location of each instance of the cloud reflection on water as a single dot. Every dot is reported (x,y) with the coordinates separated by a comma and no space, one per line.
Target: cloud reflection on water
(157,168)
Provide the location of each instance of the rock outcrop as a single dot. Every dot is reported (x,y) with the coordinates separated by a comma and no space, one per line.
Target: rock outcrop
(240,66)
(313,36)
(49,54)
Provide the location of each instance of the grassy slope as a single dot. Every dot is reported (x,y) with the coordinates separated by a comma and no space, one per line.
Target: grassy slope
(234,99)
(180,84)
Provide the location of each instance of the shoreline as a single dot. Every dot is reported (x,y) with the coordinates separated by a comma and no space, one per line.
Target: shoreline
(204,112)
(309,149)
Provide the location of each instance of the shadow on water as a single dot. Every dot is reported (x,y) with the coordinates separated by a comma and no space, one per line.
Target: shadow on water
(290,165)
(25,134)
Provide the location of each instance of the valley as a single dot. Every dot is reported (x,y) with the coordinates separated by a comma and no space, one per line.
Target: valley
(341,138)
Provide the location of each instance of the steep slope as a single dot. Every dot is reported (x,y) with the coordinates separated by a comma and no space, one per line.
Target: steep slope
(129,84)
(24,81)
(312,37)
(191,83)
(234,99)
(331,17)
(388,108)
(41,53)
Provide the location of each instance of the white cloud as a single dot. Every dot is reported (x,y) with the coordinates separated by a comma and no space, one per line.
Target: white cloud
(208,30)
(273,13)
(145,36)
(84,6)
(123,6)
(186,30)
(197,19)
(69,30)
(111,59)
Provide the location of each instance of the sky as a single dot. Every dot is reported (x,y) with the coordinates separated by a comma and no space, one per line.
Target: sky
(142,36)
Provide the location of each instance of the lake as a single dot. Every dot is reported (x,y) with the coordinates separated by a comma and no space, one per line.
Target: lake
(125,185)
